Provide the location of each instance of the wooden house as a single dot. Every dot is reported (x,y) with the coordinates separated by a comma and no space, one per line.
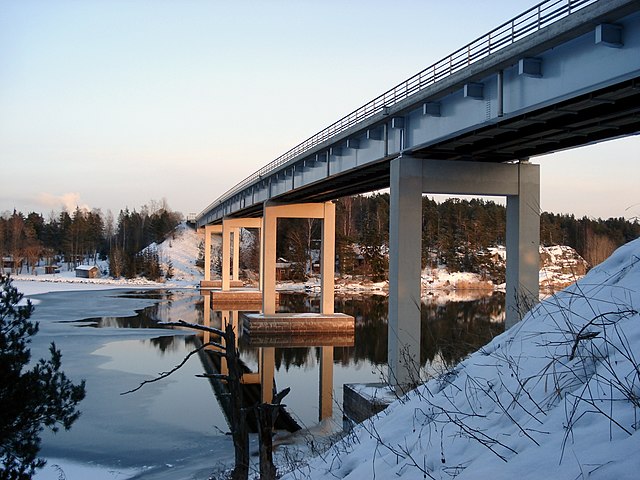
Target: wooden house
(87,271)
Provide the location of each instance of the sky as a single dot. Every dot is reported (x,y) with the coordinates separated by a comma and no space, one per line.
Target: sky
(111,104)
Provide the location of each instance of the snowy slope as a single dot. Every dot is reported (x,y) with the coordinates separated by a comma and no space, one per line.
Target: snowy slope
(557,396)
(181,249)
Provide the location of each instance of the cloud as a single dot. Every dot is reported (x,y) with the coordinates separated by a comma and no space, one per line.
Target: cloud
(67,201)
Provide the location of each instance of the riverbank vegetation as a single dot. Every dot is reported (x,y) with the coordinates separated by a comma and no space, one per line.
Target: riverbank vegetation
(457,234)
(84,237)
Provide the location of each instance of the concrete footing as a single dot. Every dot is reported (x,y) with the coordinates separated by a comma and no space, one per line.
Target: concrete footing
(297,323)
(218,283)
(363,400)
(238,299)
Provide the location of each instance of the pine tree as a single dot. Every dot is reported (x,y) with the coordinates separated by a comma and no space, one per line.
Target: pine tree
(31,399)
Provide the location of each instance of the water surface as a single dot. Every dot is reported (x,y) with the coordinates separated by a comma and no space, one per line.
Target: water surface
(171,421)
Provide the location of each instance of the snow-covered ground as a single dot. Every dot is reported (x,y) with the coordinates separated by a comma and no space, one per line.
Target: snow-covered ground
(556,396)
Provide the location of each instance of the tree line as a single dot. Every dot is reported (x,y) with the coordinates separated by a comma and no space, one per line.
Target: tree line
(86,236)
(456,233)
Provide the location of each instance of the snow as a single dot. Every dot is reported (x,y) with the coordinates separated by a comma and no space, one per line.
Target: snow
(56,469)
(556,396)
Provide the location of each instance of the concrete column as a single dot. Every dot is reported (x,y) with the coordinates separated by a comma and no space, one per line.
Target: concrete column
(326,383)
(523,244)
(268,270)
(325,211)
(226,256)
(207,252)
(236,254)
(260,235)
(405,241)
(328,258)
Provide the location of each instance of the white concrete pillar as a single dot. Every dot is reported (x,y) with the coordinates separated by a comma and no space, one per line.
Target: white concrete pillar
(523,244)
(209,230)
(260,234)
(268,269)
(328,258)
(269,225)
(207,252)
(236,254)
(405,241)
(226,257)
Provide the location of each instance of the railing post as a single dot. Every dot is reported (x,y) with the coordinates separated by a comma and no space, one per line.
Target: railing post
(538,17)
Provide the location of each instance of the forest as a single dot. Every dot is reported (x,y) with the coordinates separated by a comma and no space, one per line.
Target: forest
(84,237)
(456,233)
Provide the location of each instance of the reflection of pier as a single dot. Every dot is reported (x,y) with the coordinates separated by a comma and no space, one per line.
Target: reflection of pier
(259,386)
(214,364)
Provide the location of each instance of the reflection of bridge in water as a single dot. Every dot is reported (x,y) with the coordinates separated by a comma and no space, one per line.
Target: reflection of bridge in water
(258,386)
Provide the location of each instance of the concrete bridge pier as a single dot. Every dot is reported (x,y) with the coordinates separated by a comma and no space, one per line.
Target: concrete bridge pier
(208,231)
(231,236)
(326,212)
(410,178)
(230,232)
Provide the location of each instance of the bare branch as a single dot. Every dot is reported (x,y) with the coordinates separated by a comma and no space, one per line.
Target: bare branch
(219,376)
(194,326)
(164,375)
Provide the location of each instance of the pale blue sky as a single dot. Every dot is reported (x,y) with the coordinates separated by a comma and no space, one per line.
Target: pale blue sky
(109,104)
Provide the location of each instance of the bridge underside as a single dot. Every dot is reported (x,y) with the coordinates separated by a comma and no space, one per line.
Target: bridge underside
(591,118)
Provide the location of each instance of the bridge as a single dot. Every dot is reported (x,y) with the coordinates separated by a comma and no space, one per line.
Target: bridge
(563,74)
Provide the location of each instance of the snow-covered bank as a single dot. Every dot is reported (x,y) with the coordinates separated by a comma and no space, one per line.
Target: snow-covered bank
(560,266)
(180,251)
(557,396)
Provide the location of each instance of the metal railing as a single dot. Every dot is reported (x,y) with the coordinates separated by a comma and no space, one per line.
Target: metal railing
(532,20)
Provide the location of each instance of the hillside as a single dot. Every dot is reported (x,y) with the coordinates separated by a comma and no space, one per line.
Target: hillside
(557,396)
